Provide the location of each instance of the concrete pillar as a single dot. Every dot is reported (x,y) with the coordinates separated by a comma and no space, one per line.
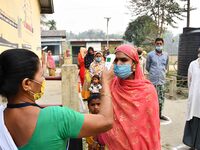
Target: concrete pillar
(172,88)
(70,96)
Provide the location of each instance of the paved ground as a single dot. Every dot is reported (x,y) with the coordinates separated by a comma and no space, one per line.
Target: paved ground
(171,134)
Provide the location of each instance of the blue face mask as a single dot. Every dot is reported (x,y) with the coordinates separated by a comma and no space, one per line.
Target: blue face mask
(98,59)
(159,48)
(123,71)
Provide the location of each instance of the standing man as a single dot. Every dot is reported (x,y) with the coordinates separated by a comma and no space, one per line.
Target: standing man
(156,65)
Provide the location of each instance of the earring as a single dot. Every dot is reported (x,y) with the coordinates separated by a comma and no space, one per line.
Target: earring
(134,67)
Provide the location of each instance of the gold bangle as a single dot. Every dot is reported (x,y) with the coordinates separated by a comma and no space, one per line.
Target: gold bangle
(103,94)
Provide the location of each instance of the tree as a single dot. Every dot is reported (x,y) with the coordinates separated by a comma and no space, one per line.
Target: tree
(171,43)
(92,34)
(163,12)
(51,24)
(141,31)
(43,21)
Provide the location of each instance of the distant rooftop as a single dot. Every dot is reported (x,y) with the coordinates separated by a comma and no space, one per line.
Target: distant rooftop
(53,33)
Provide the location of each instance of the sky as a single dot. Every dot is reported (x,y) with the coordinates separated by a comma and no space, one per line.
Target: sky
(82,15)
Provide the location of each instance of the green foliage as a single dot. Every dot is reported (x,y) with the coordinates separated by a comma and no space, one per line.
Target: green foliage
(43,19)
(51,24)
(141,31)
(171,43)
(163,12)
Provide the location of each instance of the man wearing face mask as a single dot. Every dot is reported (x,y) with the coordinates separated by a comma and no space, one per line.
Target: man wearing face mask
(97,65)
(156,65)
(136,111)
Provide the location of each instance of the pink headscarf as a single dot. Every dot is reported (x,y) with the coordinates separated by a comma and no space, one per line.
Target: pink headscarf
(50,61)
(136,112)
(131,52)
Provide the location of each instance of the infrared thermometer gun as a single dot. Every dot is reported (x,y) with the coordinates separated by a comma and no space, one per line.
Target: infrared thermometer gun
(109,60)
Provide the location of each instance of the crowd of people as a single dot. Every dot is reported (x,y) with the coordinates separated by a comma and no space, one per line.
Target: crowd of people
(125,102)
(90,71)
(136,111)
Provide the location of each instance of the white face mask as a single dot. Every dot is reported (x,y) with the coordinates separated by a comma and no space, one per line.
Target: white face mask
(159,48)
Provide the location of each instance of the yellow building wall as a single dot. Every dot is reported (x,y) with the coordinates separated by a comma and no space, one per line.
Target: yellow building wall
(26,15)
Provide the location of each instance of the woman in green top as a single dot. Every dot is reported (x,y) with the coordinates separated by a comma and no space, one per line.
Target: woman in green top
(33,128)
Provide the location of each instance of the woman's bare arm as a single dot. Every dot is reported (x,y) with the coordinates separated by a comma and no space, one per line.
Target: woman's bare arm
(94,124)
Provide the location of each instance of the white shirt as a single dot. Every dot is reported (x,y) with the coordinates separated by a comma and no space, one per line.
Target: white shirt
(194,89)
(95,88)
(143,65)
(6,141)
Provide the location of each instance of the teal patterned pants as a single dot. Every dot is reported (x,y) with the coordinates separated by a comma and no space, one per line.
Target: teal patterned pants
(161,96)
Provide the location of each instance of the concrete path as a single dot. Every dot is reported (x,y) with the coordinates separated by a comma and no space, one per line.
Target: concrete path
(171,134)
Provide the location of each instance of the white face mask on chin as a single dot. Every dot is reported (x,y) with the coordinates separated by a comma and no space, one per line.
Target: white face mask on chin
(159,48)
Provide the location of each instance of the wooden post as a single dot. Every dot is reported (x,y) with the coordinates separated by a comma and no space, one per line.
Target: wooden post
(70,96)
(172,88)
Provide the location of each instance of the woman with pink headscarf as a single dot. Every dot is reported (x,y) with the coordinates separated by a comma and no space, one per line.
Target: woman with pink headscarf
(51,64)
(136,112)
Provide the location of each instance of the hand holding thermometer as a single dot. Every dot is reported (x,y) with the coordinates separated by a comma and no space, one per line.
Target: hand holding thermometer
(109,60)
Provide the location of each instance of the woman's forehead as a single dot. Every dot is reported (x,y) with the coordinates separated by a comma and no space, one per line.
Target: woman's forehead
(121,55)
(98,54)
(96,100)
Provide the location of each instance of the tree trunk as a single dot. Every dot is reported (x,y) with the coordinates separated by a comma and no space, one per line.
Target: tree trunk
(162,21)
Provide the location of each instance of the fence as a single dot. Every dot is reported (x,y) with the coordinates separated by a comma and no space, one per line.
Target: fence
(176,87)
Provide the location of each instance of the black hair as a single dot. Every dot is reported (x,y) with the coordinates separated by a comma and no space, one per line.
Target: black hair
(159,39)
(90,48)
(15,66)
(95,76)
(93,96)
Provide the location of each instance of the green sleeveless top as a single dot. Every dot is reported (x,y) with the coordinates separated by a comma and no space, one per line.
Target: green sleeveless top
(54,126)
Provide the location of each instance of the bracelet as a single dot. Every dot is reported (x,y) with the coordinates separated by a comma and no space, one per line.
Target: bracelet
(103,94)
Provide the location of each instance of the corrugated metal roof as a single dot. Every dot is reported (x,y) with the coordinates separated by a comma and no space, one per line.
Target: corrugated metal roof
(53,33)
(46,6)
